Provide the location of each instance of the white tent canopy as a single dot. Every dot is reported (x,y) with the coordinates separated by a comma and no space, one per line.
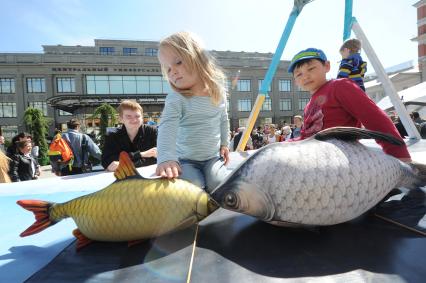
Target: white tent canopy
(409,96)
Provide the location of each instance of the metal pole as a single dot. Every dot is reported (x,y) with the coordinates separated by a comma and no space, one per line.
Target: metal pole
(408,123)
(348,19)
(297,8)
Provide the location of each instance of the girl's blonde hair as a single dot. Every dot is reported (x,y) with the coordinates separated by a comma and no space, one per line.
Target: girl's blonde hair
(197,60)
(4,168)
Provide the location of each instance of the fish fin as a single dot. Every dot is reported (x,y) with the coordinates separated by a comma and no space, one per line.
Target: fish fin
(41,212)
(134,243)
(352,133)
(125,168)
(187,222)
(82,240)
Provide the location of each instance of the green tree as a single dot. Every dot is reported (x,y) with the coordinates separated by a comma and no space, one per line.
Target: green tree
(108,117)
(38,126)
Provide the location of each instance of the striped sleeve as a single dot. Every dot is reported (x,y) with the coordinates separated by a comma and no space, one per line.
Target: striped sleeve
(345,68)
(224,127)
(167,129)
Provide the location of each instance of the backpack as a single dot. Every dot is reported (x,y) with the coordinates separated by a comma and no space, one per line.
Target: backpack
(60,153)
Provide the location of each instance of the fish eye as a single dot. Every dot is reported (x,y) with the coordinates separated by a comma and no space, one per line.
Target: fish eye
(230,200)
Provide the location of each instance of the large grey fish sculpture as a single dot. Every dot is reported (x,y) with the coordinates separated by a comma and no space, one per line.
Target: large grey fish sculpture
(327,179)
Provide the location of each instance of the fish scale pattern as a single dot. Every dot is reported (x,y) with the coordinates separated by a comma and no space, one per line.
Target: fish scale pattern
(135,209)
(321,183)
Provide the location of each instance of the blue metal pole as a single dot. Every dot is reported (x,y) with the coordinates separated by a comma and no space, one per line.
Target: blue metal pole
(297,8)
(279,51)
(348,19)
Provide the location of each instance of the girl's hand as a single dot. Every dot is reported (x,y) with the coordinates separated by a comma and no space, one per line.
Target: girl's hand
(224,152)
(168,169)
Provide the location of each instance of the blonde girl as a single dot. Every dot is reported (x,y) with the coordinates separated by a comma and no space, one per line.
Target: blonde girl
(193,131)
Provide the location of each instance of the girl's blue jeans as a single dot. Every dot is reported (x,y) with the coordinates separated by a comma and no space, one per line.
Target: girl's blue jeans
(206,174)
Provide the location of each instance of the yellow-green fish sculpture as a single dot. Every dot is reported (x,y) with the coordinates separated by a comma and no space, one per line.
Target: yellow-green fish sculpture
(130,209)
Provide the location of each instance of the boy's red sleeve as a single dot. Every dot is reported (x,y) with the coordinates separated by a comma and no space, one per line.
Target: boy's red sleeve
(359,105)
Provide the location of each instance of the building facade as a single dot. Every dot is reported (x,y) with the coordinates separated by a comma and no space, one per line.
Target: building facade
(71,81)
(421,36)
(406,77)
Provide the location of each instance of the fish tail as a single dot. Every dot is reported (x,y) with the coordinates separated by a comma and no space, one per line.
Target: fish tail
(418,171)
(41,212)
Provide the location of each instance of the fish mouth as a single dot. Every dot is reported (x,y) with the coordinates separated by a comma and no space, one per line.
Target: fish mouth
(205,206)
(245,198)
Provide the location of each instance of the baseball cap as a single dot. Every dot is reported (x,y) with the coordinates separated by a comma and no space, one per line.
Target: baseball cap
(310,53)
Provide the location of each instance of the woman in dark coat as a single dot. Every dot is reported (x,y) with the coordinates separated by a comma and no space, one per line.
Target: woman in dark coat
(23,166)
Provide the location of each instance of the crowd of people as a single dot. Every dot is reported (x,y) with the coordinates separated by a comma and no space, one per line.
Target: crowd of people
(193,138)
(417,120)
(269,133)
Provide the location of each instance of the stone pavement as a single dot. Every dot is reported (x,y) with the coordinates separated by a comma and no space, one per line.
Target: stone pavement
(46,172)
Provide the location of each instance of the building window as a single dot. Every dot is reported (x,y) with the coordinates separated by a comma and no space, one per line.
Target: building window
(9,131)
(36,85)
(64,113)
(65,84)
(127,85)
(7,85)
(166,87)
(242,122)
(106,50)
(303,102)
(284,85)
(40,105)
(155,84)
(228,85)
(151,51)
(130,51)
(265,120)
(267,104)
(243,85)
(299,88)
(285,104)
(260,85)
(7,109)
(244,105)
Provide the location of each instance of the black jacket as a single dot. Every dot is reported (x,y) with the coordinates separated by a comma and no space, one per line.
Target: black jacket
(119,141)
(20,168)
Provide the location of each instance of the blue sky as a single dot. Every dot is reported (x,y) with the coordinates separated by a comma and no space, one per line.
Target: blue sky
(237,25)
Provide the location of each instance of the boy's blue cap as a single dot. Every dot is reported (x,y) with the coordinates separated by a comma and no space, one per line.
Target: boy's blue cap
(310,53)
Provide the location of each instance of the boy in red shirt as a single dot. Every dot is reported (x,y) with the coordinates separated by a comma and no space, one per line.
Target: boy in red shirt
(338,102)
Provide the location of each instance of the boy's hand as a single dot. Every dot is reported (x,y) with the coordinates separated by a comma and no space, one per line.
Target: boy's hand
(406,160)
(224,152)
(112,166)
(168,169)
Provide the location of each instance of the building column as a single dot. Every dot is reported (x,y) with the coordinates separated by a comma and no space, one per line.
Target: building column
(421,36)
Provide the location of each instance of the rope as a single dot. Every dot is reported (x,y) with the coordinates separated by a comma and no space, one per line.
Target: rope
(194,245)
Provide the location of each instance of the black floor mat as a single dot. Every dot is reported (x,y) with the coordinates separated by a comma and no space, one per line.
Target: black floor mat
(408,212)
